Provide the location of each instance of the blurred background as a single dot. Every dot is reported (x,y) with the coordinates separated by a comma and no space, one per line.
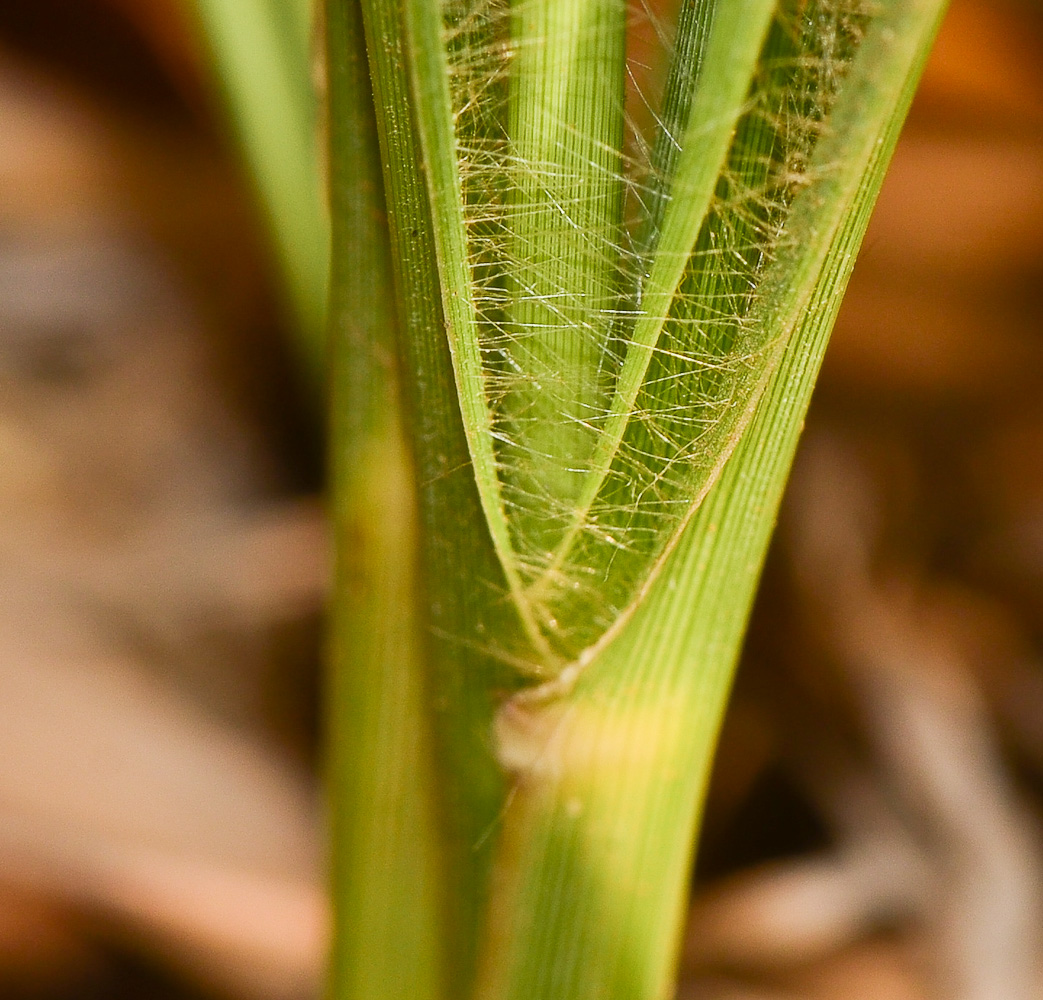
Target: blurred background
(875,823)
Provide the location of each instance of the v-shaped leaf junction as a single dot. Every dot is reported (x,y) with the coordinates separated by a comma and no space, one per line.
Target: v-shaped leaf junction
(635,247)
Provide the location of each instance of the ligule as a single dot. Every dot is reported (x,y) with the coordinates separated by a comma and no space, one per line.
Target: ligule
(619,270)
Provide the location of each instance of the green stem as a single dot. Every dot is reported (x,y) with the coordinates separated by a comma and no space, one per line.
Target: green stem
(472,638)
(385,840)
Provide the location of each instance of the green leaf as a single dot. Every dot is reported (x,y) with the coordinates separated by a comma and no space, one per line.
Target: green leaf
(606,369)
(607,347)
(611,769)
(261,53)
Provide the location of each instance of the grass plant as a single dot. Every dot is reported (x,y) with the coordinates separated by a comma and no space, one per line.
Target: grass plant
(586,258)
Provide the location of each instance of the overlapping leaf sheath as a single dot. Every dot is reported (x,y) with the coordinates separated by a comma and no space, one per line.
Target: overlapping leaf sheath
(614,314)
(615,274)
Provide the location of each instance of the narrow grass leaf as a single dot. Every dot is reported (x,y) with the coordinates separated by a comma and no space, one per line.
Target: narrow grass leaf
(261,50)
